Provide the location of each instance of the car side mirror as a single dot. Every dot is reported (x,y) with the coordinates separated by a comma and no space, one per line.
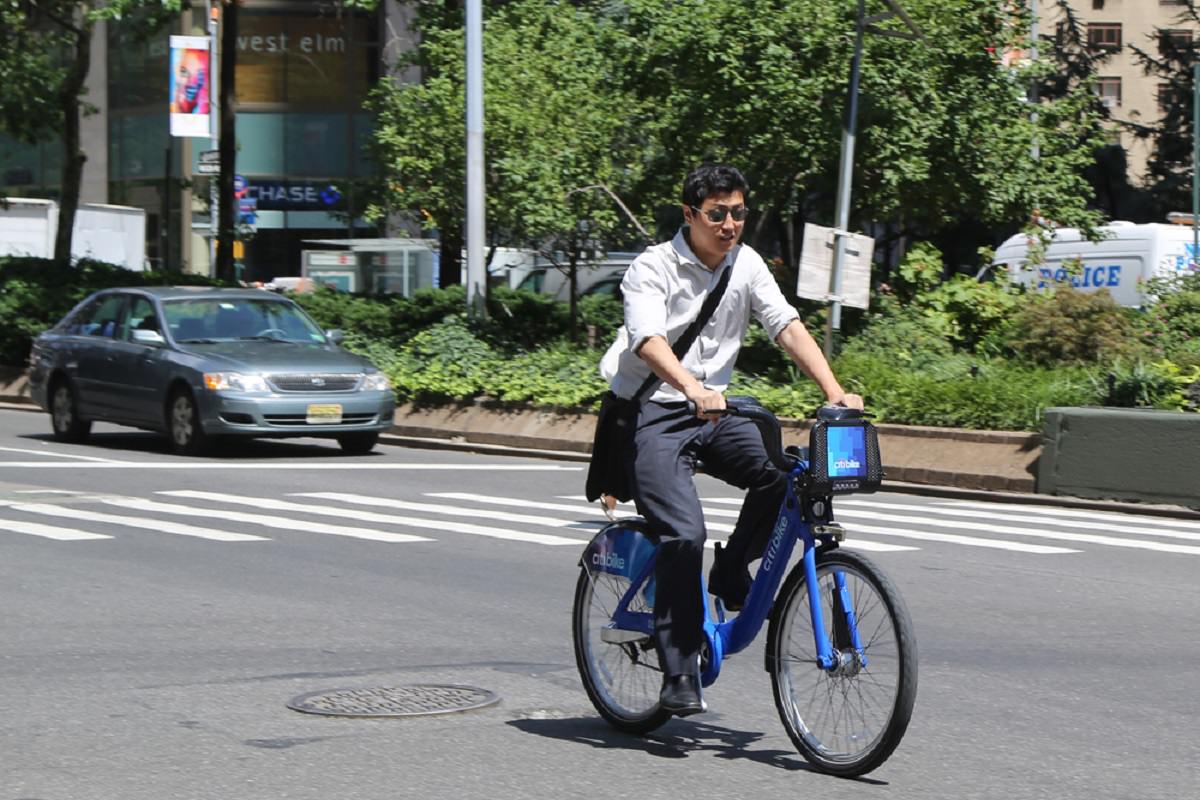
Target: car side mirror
(335,336)
(148,337)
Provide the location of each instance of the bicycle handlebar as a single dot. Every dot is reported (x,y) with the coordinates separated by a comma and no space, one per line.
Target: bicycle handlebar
(768,424)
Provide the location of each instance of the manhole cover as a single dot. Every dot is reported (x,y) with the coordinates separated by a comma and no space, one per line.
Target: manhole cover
(395,701)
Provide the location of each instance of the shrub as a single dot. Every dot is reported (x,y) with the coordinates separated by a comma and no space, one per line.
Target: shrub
(35,293)
(447,361)
(1065,326)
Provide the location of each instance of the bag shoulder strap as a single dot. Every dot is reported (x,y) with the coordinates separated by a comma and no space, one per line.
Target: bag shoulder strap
(688,337)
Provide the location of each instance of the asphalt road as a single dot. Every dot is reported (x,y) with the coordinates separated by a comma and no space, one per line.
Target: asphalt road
(157,615)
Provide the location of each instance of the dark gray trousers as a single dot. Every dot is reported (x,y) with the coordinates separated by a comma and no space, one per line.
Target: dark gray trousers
(668,442)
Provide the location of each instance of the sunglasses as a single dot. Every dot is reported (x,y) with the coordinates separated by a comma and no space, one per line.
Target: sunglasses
(717,214)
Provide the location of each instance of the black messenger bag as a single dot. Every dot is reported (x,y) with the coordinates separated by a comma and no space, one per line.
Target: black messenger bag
(612,444)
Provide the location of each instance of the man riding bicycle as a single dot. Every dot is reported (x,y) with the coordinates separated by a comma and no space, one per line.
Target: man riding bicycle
(664,289)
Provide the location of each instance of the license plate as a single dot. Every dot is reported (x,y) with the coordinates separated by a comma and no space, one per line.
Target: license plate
(324,414)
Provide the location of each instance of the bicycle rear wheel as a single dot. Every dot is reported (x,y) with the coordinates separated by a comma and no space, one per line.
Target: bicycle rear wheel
(622,679)
(845,721)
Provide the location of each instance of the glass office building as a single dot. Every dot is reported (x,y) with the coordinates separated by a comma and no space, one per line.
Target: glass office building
(303,72)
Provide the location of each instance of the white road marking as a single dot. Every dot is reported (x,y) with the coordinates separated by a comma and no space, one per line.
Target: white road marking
(1109,541)
(1099,520)
(414,522)
(162,526)
(281,523)
(970,541)
(316,464)
(435,508)
(595,509)
(48,531)
(56,455)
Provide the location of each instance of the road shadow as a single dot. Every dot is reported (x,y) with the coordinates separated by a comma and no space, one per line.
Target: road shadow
(231,448)
(679,738)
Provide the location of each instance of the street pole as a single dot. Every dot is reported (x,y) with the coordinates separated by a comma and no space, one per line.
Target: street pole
(1195,165)
(227,144)
(1035,148)
(476,305)
(214,98)
(841,223)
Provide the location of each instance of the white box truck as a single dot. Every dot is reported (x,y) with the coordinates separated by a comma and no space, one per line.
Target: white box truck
(1127,255)
(116,234)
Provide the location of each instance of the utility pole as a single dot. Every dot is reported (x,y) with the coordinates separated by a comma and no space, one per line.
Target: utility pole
(476,205)
(1195,165)
(841,224)
(228,142)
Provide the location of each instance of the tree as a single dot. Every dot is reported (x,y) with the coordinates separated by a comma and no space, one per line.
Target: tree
(1169,170)
(945,129)
(562,132)
(45,53)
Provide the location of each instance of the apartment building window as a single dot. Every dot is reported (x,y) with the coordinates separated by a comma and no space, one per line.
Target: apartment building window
(1098,5)
(1104,35)
(1174,41)
(1169,95)
(1109,91)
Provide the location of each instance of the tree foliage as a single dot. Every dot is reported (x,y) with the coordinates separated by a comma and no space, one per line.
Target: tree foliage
(45,54)
(633,93)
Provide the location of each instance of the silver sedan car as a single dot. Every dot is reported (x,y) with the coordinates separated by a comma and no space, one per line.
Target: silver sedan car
(199,363)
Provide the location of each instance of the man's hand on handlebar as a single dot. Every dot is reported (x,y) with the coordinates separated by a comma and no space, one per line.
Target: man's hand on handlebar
(706,401)
(848,400)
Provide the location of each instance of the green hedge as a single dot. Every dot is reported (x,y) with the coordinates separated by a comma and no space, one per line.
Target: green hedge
(959,354)
(35,293)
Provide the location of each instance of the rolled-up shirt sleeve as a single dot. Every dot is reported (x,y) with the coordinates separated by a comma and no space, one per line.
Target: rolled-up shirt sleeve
(645,291)
(768,303)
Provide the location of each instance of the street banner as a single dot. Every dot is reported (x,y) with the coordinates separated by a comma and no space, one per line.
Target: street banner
(191,81)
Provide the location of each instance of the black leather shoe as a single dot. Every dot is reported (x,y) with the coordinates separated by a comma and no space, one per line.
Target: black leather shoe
(681,695)
(727,581)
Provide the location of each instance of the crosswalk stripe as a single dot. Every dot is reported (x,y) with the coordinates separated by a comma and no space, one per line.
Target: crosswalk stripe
(49,531)
(1123,521)
(955,539)
(435,508)
(71,512)
(414,522)
(880,547)
(951,538)
(281,523)
(1110,541)
(1138,525)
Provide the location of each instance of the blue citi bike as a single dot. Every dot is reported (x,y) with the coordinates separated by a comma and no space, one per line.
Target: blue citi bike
(840,647)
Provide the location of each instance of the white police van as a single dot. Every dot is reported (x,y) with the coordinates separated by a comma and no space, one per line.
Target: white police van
(1129,254)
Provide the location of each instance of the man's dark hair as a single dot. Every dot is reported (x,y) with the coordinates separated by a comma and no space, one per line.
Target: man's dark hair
(712,179)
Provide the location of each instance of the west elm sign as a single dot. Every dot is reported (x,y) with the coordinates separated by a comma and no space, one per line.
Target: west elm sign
(294,196)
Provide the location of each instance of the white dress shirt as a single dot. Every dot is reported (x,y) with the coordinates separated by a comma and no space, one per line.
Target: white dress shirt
(664,289)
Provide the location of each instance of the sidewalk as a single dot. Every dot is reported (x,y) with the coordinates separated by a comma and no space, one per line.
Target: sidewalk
(996,466)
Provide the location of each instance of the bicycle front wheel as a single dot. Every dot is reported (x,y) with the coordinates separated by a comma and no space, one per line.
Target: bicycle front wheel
(622,678)
(848,720)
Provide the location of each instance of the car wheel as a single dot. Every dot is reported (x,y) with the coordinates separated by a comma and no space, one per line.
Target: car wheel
(64,414)
(357,444)
(183,425)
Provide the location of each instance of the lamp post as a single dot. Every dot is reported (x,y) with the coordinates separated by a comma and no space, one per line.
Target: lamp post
(841,223)
(1195,166)
(476,305)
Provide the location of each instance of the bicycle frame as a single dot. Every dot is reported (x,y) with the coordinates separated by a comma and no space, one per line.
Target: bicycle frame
(726,637)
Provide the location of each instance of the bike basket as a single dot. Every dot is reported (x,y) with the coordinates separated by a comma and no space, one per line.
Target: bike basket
(844,457)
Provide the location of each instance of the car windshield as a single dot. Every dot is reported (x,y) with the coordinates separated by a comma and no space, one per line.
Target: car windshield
(226,318)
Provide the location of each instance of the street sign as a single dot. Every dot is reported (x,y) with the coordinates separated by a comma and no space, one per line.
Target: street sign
(209,156)
(816,264)
(207,168)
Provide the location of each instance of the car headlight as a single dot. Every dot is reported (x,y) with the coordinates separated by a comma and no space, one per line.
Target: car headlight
(234,382)
(375,382)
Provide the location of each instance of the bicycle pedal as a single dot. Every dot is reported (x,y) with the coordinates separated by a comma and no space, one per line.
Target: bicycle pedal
(831,529)
(612,635)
